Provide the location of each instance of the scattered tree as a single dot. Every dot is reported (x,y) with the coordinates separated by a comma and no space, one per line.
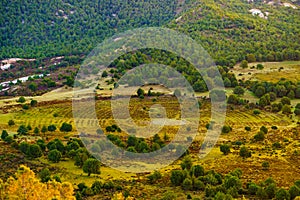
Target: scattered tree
(91,166)
(54,155)
(225,149)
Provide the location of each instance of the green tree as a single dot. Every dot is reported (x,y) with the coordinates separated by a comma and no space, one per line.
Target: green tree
(66,127)
(286,109)
(244,64)
(294,191)
(32,86)
(11,122)
(140,92)
(186,163)
(34,151)
(198,170)
(251,58)
(259,66)
(132,140)
(4,134)
(285,101)
(265,165)
(21,100)
(238,90)
(225,149)
(260,91)
(187,184)
(177,177)
(264,129)
(260,136)
(22,130)
(226,129)
(244,152)
(152,178)
(54,155)
(91,166)
(36,131)
(297,111)
(282,194)
(104,74)
(51,128)
(9,139)
(33,103)
(45,175)
(271,190)
(232,181)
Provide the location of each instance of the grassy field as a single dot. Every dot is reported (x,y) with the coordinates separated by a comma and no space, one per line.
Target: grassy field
(237,119)
(272,72)
(56,108)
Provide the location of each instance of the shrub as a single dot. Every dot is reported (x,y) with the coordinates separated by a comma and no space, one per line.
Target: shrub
(285,101)
(96,187)
(244,64)
(186,163)
(51,128)
(34,151)
(91,166)
(247,128)
(256,112)
(9,139)
(225,149)
(45,175)
(294,191)
(244,152)
(169,196)
(259,66)
(297,111)
(54,155)
(65,127)
(36,130)
(222,196)
(282,194)
(265,165)
(154,177)
(11,122)
(4,134)
(199,185)
(22,130)
(33,103)
(21,100)
(177,177)
(232,181)
(226,129)
(271,190)
(187,184)
(261,193)
(198,170)
(264,129)
(233,99)
(238,90)
(252,188)
(276,145)
(286,109)
(25,107)
(260,136)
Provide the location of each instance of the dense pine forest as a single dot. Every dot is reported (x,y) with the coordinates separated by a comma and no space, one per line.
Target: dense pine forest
(227,29)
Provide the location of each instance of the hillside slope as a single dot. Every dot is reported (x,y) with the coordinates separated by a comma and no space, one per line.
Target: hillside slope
(231,30)
(227,29)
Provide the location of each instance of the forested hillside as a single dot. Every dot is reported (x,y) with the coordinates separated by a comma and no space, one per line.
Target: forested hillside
(231,33)
(50,28)
(227,29)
